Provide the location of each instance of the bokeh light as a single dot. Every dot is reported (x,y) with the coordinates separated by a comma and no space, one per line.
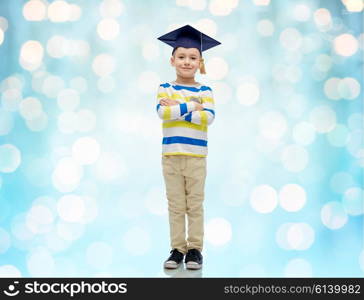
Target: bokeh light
(52,85)
(333,215)
(272,125)
(218,68)
(1,36)
(10,158)
(261,2)
(345,44)
(292,197)
(109,167)
(106,84)
(265,27)
(67,175)
(59,11)
(86,120)
(298,267)
(9,271)
(79,84)
(38,124)
(340,181)
(103,64)
(263,199)
(353,5)
(349,88)
(111,8)
(323,20)
(71,208)
(34,10)
(248,93)
(218,231)
(40,263)
(39,219)
(57,46)
(222,8)
(295,236)
(11,98)
(4,24)
(302,12)
(291,39)
(31,55)
(86,150)
(108,29)
(68,99)
(353,201)
(323,118)
(81,184)
(30,108)
(206,25)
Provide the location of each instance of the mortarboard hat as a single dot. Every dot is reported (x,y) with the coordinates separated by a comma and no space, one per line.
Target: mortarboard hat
(189,37)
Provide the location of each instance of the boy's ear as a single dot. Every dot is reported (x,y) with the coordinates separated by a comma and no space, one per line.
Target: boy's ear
(172,61)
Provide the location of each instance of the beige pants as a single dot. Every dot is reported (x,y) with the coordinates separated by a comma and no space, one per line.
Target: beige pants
(184,178)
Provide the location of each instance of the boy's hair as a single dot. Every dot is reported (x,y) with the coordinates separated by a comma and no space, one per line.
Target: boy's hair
(174,50)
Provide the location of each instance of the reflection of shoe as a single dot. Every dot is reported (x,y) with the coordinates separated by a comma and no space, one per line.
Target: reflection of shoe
(193,259)
(174,259)
(173,273)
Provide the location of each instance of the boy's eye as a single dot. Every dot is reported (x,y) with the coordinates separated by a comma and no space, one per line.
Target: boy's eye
(180,57)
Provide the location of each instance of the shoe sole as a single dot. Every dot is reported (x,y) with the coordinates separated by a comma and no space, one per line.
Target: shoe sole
(171,266)
(193,266)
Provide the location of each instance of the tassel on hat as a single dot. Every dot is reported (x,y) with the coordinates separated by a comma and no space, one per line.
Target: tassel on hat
(202,66)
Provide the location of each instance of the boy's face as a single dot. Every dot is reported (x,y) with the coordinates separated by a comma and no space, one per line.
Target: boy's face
(186,61)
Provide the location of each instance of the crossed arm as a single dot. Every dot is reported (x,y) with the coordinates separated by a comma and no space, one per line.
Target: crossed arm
(170,102)
(193,112)
(169,109)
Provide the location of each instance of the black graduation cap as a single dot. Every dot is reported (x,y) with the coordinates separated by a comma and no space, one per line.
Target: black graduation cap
(188,37)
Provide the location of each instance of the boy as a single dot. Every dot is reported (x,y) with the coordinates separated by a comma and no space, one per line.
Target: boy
(186,108)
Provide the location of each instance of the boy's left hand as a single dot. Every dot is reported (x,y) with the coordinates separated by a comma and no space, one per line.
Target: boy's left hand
(168,102)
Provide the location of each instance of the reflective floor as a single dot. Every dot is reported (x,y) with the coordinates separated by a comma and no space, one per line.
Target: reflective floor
(81,185)
(181,271)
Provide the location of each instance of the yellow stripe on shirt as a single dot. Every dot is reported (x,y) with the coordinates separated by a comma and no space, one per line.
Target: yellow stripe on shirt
(185,124)
(182,153)
(185,99)
(207,99)
(167,113)
(203,116)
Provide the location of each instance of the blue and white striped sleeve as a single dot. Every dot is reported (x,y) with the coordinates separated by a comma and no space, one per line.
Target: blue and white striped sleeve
(173,112)
(205,116)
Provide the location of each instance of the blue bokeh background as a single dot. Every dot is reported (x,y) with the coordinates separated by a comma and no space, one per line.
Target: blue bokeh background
(81,186)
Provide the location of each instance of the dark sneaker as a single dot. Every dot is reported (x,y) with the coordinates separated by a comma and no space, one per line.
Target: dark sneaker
(193,259)
(174,259)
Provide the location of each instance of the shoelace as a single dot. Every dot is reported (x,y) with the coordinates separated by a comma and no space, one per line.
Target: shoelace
(175,253)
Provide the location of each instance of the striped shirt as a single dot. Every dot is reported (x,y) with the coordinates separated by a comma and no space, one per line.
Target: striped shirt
(184,127)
